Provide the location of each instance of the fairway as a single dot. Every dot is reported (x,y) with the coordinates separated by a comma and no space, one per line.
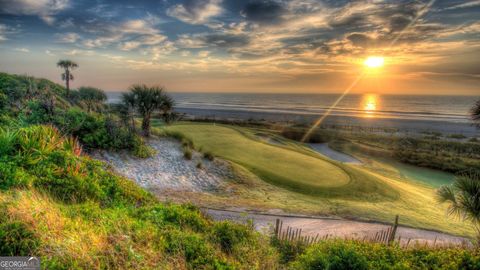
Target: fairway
(284,166)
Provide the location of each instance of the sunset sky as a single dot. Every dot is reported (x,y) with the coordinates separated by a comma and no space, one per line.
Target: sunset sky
(298,46)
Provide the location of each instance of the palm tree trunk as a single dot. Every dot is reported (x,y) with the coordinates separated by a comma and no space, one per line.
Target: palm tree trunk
(67,81)
(146,125)
(132,126)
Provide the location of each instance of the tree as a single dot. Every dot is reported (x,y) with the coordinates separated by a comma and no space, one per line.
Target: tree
(147,100)
(475,113)
(463,197)
(92,97)
(127,112)
(67,65)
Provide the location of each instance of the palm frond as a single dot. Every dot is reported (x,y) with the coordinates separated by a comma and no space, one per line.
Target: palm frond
(446,194)
(475,112)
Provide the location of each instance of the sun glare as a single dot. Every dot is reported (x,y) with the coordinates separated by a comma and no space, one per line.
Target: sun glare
(370,104)
(374,62)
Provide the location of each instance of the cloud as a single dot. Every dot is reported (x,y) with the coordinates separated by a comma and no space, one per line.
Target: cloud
(128,35)
(44,9)
(196,11)
(6,30)
(77,52)
(203,54)
(66,23)
(264,12)
(49,53)
(360,39)
(3,32)
(68,37)
(24,50)
(214,40)
(468,4)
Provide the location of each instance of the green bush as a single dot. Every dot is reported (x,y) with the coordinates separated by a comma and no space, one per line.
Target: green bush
(334,256)
(180,216)
(228,234)
(289,250)
(209,156)
(187,153)
(11,175)
(16,239)
(192,246)
(140,149)
(342,254)
(42,156)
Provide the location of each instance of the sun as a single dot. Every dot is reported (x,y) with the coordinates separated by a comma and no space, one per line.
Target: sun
(374,61)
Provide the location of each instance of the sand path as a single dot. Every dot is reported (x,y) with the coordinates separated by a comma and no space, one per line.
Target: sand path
(335,227)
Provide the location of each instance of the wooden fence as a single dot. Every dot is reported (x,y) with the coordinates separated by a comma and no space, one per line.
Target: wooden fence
(291,234)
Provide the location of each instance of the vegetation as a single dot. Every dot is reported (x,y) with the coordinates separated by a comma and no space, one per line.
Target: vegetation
(30,101)
(92,98)
(67,76)
(146,100)
(475,112)
(463,198)
(338,254)
(415,203)
(58,203)
(429,151)
(73,213)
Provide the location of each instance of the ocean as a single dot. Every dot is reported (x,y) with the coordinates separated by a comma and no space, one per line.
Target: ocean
(422,107)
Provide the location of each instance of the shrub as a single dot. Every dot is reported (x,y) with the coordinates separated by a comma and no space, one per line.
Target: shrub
(187,153)
(228,234)
(342,254)
(209,156)
(70,189)
(288,250)
(179,216)
(140,149)
(336,255)
(197,253)
(457,136)
(11,175)
(16,239)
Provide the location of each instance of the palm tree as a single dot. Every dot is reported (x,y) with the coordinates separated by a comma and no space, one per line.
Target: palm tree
(146,100)
(67,65)
(463,197)
(127,110)
(475,112)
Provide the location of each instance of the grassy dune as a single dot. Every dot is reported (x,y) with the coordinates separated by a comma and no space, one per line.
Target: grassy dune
(281,176)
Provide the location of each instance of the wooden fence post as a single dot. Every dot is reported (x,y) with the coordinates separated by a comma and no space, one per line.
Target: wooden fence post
(393,231)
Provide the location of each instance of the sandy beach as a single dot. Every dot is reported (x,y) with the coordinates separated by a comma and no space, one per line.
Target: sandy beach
(409,126)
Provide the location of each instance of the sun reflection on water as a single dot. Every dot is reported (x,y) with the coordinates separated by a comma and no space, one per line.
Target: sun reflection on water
(369,104)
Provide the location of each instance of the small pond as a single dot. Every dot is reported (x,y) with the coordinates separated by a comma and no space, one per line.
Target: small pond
(433,178)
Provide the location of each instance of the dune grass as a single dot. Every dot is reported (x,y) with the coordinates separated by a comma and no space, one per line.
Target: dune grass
(369,194)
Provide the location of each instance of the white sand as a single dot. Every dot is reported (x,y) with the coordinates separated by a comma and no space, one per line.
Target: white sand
(168,169)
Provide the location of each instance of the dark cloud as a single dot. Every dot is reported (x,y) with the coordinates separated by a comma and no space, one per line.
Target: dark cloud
(360,40)
(264,12)
(355,21)
(399,22)
(227,40)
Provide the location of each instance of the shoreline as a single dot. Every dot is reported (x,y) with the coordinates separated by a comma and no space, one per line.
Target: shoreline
(401,125)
